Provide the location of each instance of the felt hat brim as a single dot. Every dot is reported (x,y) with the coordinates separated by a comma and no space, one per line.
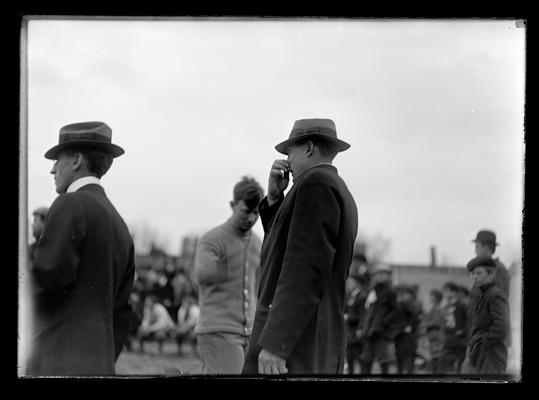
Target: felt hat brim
(109,148)
(283,146)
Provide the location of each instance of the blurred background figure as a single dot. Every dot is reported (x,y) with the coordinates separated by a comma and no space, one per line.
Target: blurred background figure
(433,324)
(38,225)
(406,324)
(136,300)
(187,319)
(455,330)
(164,292)
(156,325)
(463,294)
(377,329)
(354,315)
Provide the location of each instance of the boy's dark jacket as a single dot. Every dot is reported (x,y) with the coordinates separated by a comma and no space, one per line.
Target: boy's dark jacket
(489,323)
(379,322)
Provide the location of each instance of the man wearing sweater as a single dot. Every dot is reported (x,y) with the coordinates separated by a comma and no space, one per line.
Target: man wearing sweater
(227,261)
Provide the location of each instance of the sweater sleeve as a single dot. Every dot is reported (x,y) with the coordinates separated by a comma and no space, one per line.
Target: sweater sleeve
(207,267)
(58,251)
(306,267)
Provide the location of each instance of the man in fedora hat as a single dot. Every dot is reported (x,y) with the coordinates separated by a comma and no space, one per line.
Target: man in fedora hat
(299,325)
(485,246)
(83,267)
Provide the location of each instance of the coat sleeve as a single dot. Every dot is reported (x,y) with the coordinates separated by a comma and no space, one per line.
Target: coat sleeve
(306,268)
(267,212)
(207,267)
(499,313)
(57,253)
(390,320)
(123,312)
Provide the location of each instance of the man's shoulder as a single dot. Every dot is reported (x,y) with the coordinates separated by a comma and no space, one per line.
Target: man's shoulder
(66,203)
(215,233)
(321,174)
(494,293)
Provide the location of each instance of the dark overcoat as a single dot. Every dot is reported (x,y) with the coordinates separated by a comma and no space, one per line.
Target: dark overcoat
(488,330)
(305,258)
(83,272)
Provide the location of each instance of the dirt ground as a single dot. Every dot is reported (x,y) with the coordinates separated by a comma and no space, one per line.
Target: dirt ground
(150,362)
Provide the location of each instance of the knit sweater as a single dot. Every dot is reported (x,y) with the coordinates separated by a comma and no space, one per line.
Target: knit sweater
(226,272)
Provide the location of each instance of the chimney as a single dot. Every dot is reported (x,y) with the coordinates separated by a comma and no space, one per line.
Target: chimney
(432,256)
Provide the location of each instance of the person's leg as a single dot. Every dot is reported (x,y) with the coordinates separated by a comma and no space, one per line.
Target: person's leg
(409,363)
(459,359)
(384,368)
(399,355)
(447,361)
(493,362)
(221,353)
(366,357)
(435,365)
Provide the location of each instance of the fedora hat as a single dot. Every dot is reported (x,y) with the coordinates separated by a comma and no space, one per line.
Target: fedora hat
(485,236)
(310,128)
(93,134)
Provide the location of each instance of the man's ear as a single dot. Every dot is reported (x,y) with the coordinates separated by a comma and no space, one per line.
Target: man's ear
(78,161)
(309,149)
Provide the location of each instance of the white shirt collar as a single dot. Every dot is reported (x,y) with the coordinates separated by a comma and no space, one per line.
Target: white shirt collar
(85,180)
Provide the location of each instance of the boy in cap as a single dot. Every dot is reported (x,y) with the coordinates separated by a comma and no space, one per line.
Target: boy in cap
(83,267)
(378,326)
(489,320)
(406,325)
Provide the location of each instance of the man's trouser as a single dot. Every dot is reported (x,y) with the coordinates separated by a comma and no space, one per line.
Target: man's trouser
(222,353)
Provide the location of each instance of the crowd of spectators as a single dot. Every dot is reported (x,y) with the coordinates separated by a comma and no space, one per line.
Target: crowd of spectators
(389,330)
(165,304)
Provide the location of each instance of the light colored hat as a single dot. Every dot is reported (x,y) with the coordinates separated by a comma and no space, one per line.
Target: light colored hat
(93,134)
(382,268)
(312,127)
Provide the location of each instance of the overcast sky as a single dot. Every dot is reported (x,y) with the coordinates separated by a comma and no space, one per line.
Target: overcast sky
(433,111)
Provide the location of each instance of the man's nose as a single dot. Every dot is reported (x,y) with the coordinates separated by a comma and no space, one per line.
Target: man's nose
(53,169)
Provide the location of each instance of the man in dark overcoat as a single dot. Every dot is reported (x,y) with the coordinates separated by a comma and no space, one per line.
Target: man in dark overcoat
(307,250)
(83,266)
